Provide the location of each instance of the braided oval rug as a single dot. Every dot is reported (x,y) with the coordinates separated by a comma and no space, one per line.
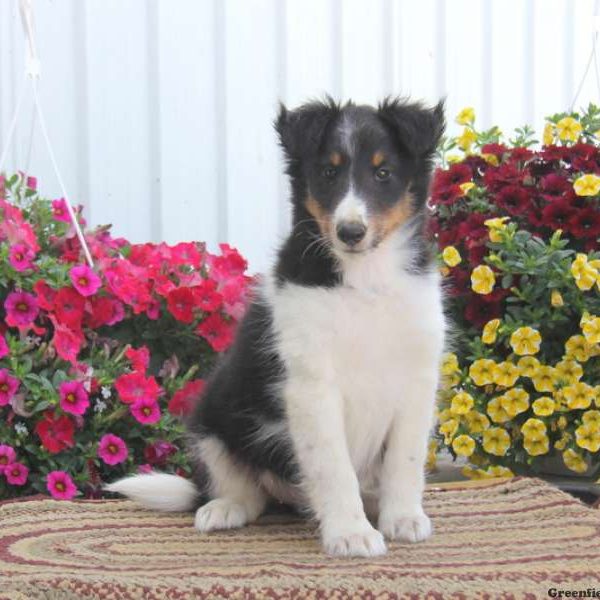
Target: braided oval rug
(507,539)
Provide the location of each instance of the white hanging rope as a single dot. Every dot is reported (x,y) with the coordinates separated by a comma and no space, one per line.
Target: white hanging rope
(33,72)
(593,58)
(12,126)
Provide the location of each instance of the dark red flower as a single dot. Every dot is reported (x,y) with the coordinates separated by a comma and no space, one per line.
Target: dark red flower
(554,186)
(585,223)
(507,174)
(55,432)
(557,215)
(497,150)
(478,311)
(515,200)
(158,453)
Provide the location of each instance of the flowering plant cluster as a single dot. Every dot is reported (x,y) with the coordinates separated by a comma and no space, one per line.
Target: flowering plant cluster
(518,229)
(98,366)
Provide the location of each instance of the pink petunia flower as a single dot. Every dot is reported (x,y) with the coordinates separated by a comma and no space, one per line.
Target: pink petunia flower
(16,473)
(4,349)
(60,485)
(73,397)
(112,449)
(85,281)
(60,211)
(20,257)
(7,456)
(8,386)
(145,468)
(146,411)
(21,309)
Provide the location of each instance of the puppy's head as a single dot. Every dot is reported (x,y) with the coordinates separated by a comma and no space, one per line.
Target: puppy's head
(360,172)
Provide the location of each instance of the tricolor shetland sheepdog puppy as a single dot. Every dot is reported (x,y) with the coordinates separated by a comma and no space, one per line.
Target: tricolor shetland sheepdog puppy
(326,398)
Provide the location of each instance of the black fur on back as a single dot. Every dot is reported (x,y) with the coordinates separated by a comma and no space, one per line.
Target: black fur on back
(243,392)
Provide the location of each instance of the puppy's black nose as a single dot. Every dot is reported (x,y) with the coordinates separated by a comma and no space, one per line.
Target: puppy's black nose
(351,233)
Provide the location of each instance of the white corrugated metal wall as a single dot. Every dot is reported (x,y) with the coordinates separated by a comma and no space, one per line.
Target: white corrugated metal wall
(160,111)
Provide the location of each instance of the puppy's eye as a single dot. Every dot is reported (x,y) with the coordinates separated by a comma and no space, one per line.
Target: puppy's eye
(329,172)
(382,174)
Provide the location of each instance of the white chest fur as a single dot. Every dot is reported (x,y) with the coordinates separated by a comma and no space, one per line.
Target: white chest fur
(367,339)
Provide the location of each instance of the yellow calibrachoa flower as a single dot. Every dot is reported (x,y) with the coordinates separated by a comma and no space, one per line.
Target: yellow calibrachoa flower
(495,226)
(577,347)
(562,422)
(534,428)
(564,440)
(453,158)
(536,446)
(568,129)
(506,373)
(591,330)
(451,256)
(490,331)
(569,371)
(548,135)
(466,187)
(449,364)
(543,380)
(462,403)
(496,410)
(472,473)
(515,401)
(482,371)
(449,429)
(491,159)
(591,417)
(584,273)
(529,366)
(463,445)
(482,279)
(476,422)
(431,455)
(444,415)
(498,471)
(574,461)
(588,436)
(496,441)
(526,340)
(466,139)
(466,116)
(578,395)
(587,185)
(543,407)
(556,299)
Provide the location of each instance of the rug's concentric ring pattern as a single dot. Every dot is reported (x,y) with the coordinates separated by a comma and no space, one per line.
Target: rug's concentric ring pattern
(511,539)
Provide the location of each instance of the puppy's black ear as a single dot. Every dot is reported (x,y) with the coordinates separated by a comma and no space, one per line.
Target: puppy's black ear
(417,127)
(302,129)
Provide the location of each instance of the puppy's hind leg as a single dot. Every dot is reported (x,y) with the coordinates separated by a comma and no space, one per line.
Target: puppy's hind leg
(237,498)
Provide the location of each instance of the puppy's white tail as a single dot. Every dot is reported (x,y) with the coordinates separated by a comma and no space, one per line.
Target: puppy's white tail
(158,491)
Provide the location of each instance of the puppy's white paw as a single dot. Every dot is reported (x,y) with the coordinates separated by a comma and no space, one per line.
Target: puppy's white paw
(364,541)
(221,513)
(405,527)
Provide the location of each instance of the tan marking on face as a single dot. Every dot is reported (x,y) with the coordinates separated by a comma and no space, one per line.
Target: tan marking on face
(336,159)
(377,159)
(393,218)
(321,217)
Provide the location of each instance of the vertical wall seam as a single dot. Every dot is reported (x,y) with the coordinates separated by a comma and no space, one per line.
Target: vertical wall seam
(486,64)
(219,41)
(337,75)
(529,63)
(388,48)
(568,53)
(280,6)
(154,121)
(440,49)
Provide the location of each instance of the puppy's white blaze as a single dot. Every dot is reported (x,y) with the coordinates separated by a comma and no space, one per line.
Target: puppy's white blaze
(351,208)
(158,491)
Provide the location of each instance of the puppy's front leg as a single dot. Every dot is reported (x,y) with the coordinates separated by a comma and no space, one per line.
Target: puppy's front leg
(401,515)
(316,423)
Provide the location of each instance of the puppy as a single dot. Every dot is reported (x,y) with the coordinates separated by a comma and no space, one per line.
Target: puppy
(326,398)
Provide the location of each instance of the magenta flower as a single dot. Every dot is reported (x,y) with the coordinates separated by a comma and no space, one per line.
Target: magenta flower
(60,485)
(16,473)
(73,397)
(146,411)
(8,386)
(21,309)
(60,211)
(4,349)
(145,468)
(20,257)
(85,281)
(7,456)
(112,449)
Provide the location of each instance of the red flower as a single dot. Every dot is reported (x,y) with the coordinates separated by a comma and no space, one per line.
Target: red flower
(135,386)
(67,342)
(55,432)
(446,184)
(68,307)
(553,186)
(139,358)
(45,294)
(158,454)
(183,400)
(206,296)
(497,150)
(186,253)
(513,199)
(498,177)
(180,303)
(216,331)
(104,311)
(585,223)
(557,215)
(230,264)
(479,312)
